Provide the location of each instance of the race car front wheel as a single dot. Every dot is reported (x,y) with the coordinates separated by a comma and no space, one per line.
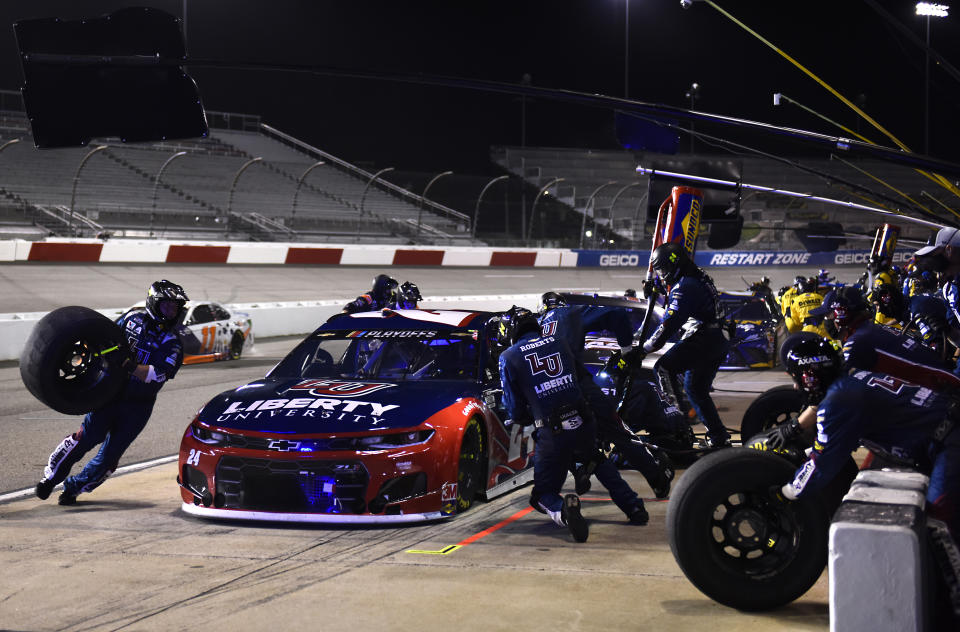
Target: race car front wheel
(773,407)
(470,470)
(739,543)
(236,346)
(72,360)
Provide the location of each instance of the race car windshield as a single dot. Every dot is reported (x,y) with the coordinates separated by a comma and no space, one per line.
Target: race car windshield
(394,355)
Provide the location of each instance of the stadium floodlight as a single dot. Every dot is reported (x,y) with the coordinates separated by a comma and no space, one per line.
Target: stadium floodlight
(930,9)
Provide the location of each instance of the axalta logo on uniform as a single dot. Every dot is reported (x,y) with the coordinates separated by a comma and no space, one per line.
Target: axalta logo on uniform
(621,260)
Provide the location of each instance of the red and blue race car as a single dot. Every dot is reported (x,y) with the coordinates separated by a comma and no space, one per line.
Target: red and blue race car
(376,417)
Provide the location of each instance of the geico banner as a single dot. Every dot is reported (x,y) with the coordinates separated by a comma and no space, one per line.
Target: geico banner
(611,258)
(708,259)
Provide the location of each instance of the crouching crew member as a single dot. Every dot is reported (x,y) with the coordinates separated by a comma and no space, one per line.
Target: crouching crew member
(541,383)
(573,322)
(157,355)
(901,422)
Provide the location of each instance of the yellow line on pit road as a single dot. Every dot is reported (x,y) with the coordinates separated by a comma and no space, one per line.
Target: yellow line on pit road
(476,536)
(444,551)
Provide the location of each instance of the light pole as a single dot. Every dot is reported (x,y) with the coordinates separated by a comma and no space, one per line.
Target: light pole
(533,209)
(76,179)
(424,197)
(236,177)
(476,211)
(296,193)
(928,10)
(616,197)
(693,92)
(626,49)
(156,185)
(583,223)
(373,179)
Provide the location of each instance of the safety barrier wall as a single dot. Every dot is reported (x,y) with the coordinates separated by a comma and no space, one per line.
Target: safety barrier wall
(243,253)
(273,319)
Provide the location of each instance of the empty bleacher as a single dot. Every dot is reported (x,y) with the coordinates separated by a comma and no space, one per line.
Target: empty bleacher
(236,184)
(605,186)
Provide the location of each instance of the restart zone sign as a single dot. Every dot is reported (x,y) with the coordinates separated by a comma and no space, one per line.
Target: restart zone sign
(718,259)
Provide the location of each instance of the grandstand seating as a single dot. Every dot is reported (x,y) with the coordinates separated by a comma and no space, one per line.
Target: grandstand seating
(619,194)
(201,195)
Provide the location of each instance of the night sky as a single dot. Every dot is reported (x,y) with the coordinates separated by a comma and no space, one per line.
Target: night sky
(570,44)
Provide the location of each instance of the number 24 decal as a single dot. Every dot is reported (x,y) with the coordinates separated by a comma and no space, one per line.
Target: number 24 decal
(887,383)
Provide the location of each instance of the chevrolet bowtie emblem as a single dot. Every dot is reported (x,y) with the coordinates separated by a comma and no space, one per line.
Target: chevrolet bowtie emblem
(282,445)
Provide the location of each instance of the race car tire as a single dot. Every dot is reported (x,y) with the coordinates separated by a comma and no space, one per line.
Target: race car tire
(470,465)
(771,408)
(72,360)
(736,541)
(236,346)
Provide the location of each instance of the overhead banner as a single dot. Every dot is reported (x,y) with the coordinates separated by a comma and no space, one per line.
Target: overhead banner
(724,259)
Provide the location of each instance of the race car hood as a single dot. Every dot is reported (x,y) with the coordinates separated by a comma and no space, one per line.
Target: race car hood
(311,406)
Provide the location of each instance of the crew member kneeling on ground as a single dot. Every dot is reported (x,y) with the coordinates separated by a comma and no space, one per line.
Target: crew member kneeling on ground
(541,377)
(157,353)
(897,420)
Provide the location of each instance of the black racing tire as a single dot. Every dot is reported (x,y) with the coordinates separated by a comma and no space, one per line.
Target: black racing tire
(771,408)
(470,465)
(72,360)
(236,346)
(735,541)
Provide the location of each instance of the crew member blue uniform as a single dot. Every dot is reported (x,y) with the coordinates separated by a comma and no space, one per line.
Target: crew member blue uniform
(692,305)
(892,417)
(541,380)
(573,322)
(898,420)
(157,352)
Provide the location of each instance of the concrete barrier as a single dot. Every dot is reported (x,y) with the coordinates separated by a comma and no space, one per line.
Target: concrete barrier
(879,570)
(273,319)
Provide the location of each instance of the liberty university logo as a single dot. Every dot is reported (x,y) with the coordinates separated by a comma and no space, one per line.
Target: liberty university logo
(551,365)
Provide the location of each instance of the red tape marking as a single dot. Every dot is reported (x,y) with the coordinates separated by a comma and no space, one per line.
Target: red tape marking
(476,536)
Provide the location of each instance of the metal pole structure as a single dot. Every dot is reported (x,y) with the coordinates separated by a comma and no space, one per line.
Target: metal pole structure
(156,185)
(583,223)
(533,209)
(424,197)
(476,211)
(8,143)
(626,49)
(76,178)
(363,197)
(226,220)
(616,197)
(303,176)
(926,94)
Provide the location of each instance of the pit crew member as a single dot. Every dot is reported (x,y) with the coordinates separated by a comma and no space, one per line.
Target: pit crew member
(541,380)
(693,305)
(905,423)
(156,356)
(573,322)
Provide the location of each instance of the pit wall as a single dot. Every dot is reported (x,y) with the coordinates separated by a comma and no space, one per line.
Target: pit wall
(57,250)
(296,318)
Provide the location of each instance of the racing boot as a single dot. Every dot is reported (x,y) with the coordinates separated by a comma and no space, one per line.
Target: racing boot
(639,515)
(661,487)
(43,489)
(66,498)
(574,520)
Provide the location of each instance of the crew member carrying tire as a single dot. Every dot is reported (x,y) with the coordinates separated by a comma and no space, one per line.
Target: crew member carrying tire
(693,305)
(541,380)
(905,424)
(155,357)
